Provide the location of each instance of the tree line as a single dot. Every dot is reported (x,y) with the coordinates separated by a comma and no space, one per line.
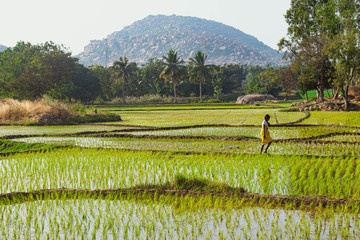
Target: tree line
(29,71)
(323,45)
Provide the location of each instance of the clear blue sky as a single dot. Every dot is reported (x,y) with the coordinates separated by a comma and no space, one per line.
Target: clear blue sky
(75,22)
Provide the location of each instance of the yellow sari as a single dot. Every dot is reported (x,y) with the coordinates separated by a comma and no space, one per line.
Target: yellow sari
(265,135)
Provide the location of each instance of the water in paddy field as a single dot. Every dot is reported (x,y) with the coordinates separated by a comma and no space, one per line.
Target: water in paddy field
(103,161)
(121,219)
(76,168)
(220,146)
(29,130)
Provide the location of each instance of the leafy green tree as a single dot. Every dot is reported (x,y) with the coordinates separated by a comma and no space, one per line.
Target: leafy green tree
(123,71)
(347,63)
(198,71)
(288,78)
(64,92)
(173,69)
(233,77)
(307,80)
(86,84)
(324,32)
(28,71)
(270,79)
(20,71)
(252,79)
(136,86)
(307,36)
(59,65)
(150,77)
(30,84)
(217,86)
(106,81)
(344,49)
(313,63)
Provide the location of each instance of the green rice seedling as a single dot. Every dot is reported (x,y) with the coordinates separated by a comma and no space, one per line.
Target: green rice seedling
(187,165)
(333,118)
(76,168)
(10,146)
(176,117)
(251,132)
(29,130)
(204,145)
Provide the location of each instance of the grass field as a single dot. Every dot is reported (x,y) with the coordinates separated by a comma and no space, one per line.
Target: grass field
(184,172)
(334,118)
(312,94)
(167,118)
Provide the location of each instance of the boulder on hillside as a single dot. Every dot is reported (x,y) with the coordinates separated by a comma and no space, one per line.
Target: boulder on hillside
(252,98)
(153,36)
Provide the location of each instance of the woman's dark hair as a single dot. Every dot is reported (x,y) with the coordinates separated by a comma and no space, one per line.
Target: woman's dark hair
(267,116)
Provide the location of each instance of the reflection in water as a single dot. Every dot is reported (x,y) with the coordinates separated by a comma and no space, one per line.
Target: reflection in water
(167,218)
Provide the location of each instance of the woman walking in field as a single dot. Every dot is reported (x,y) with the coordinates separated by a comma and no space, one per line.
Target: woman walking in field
(265,135)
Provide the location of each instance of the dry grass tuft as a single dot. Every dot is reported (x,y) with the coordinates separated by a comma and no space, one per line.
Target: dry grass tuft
(44,111)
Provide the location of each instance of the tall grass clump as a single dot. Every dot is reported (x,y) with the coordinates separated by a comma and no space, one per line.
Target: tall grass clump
(43,111)
(181,182)
(46,111)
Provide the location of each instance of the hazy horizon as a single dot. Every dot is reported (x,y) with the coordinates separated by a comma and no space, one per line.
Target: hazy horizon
(75,23)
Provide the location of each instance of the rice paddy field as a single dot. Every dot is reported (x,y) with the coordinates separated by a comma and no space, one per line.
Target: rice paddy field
(184,172)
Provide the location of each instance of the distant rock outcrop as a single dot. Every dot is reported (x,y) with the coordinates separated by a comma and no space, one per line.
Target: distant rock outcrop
(154,36)
(252,98)
(2,47)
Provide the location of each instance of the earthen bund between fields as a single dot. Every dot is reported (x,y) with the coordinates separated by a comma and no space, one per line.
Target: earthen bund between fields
(273,201)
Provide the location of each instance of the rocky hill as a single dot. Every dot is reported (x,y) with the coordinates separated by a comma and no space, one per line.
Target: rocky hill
(154,36)
(2,47)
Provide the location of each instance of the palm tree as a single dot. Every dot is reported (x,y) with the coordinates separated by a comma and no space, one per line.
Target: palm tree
(173,69)
(198,71)
(123,71)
